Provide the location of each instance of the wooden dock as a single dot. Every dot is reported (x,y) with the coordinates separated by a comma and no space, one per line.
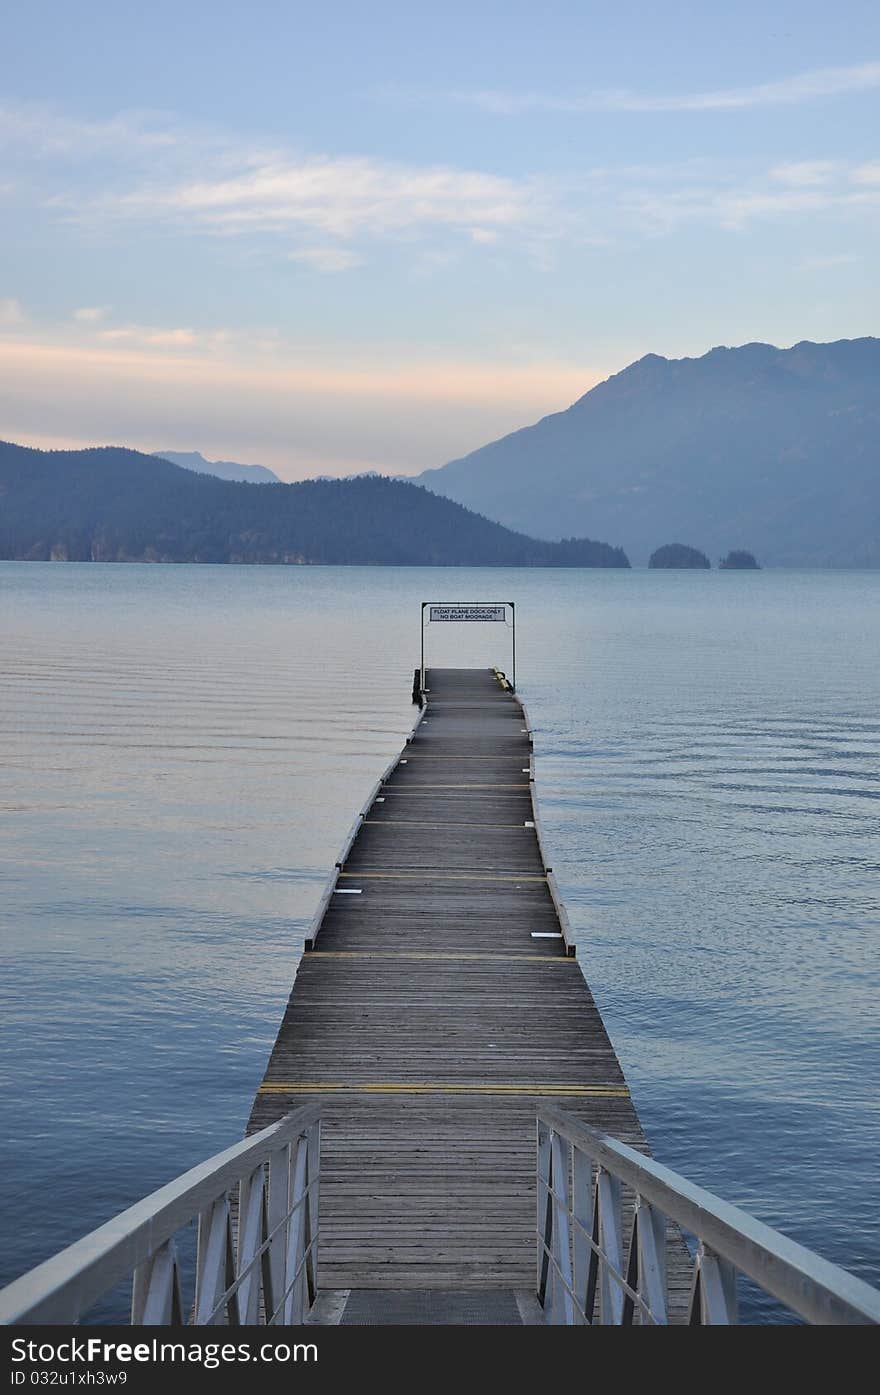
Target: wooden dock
(439,1001)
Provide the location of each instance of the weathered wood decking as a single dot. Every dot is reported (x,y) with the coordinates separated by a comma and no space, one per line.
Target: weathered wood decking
(428,1019)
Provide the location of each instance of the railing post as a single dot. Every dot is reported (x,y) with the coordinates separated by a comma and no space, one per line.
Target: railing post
(314,1183)
(562,1276)
(216,1266)
(159,1301)
(277,1210)
(632,1273)
(652,1259)
(582,1211)
(608,1201)
(252,1230)
(544,1225)
(294,1277)
(714,1295)
(139,1284)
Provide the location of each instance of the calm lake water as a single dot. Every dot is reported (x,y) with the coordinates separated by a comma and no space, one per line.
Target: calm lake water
(182,750)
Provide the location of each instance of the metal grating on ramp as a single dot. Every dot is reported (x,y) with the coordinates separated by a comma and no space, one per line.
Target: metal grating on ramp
(461,1307)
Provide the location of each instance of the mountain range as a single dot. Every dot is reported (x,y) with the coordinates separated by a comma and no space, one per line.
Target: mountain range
(115,505)
(773,450)
(221,469)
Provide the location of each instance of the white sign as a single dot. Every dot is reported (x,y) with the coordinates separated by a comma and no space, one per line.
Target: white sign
(467,612)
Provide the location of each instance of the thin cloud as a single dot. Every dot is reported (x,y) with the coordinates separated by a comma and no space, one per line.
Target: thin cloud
(45,131)
(827,262)
(339,197)
(149,168)
(327,259)
(156,338)
(181,339)
(90,314)
(804,172)
(797,190)
(11,313)
(787,91)
(225,184)
(736,209)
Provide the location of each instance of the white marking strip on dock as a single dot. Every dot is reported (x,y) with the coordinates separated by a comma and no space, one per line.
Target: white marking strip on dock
(348,891)
(546,934)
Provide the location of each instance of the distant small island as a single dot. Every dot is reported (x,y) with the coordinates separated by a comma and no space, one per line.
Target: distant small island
(676,555)
(738,560)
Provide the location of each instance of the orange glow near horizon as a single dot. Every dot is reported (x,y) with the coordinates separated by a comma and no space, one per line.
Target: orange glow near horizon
(295,412)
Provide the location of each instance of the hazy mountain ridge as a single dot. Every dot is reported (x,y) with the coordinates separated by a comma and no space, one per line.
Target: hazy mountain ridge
(775,450)
(109,504)
(221,469)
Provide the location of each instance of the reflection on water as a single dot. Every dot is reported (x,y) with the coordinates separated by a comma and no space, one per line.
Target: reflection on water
(181,753)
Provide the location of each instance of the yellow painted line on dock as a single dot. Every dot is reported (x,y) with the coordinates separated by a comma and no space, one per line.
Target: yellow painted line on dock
(471,787)
(451,823)
(429,875)
(393,1087)
(438,954)
(416,791)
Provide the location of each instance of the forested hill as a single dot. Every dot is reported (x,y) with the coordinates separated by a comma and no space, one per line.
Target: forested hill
(114,505)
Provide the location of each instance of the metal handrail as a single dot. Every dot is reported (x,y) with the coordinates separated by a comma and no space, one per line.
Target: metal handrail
(259,1270)
(586,1274)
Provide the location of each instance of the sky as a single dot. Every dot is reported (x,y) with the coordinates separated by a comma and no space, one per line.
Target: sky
(351,237)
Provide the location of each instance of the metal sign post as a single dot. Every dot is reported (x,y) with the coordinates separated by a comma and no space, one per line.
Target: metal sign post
(474,612)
